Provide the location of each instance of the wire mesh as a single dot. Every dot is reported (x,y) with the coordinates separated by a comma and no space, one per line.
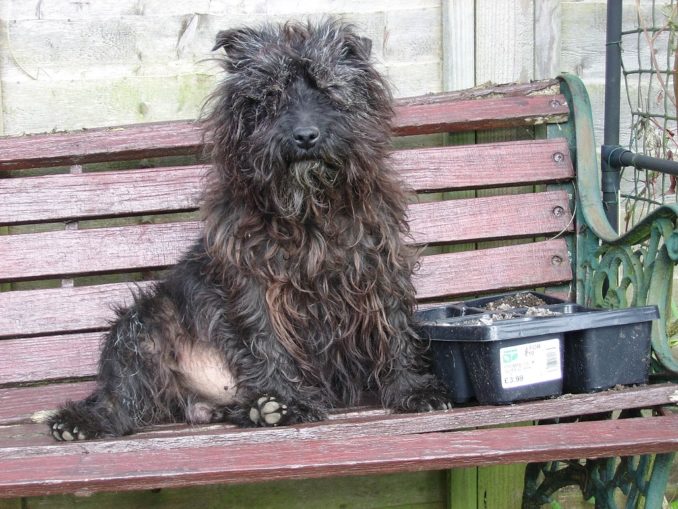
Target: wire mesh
(649,63)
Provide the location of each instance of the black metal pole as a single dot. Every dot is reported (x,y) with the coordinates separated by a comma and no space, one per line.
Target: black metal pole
(611,175)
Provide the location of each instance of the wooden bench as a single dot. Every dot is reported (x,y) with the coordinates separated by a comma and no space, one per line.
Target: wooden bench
(84,213)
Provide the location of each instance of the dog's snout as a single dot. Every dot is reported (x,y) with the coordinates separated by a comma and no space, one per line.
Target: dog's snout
(306,137)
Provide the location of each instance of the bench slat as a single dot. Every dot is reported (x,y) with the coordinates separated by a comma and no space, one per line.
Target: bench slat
(69,197)
(34,312)
(493,270)
(49,357)
(134,192)
(69,470)
(18,404)
(54,310)
(423,115)
(521,215)
(100,145)
(481,166)
(476,115)
(71,252)
(66,253)
(348,424)
(488,90)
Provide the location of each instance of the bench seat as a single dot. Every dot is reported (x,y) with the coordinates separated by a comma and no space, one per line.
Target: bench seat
(360,441)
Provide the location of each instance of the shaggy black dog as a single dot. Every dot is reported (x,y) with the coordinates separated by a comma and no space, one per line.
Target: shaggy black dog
(298,295)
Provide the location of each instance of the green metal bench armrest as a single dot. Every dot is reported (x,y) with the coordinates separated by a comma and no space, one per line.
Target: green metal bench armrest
(610,266)
(588,176)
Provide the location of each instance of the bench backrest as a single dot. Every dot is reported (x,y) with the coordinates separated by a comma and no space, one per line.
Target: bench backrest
(78,221)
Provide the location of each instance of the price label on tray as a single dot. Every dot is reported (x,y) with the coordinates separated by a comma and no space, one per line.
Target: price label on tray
(530,363)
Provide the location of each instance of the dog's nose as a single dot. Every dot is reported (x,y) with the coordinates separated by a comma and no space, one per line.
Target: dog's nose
(305,137)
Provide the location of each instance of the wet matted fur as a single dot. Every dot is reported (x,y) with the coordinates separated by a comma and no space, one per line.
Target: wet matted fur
(298,295)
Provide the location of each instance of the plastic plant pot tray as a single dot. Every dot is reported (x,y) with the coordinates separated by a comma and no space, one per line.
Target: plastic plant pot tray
(449,363)
(603,348)
(610,348)
(515,357)
(504,360)
(448,360)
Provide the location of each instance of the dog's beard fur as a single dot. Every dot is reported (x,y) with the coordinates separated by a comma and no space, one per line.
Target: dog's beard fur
(312,185)
(299,291)
(314,176)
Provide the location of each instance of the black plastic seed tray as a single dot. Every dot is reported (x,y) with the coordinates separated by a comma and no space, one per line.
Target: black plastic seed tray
(506,355)
(498,362)
(614,348)
(448,359)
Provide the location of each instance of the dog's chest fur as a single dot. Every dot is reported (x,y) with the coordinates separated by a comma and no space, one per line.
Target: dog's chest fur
(325,294)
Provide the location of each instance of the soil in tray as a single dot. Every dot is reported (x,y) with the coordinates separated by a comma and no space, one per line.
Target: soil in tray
(518,300)
(519,305)
(508,314)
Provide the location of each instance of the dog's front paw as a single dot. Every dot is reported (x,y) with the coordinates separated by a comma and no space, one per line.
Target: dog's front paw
(271,411)
(268,411)
(425,400)
(67,431)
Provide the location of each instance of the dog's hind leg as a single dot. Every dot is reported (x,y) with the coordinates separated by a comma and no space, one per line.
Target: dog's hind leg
(97,415)
(136,386)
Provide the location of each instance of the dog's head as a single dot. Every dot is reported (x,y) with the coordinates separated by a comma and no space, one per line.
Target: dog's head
(302,104)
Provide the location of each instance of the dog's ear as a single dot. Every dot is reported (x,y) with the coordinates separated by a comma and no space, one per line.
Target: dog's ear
(366,46)
(227,39)
(238,43)
(358,47)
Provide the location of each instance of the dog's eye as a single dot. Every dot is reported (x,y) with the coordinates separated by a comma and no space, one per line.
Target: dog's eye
(336,94)
(256,104)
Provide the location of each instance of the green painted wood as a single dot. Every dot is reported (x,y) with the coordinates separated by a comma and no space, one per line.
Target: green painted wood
(462,485)
(421,490)
(501,486)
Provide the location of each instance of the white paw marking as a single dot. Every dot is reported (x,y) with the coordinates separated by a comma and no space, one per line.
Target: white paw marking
(273,418)
(268,411)
(61,433)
